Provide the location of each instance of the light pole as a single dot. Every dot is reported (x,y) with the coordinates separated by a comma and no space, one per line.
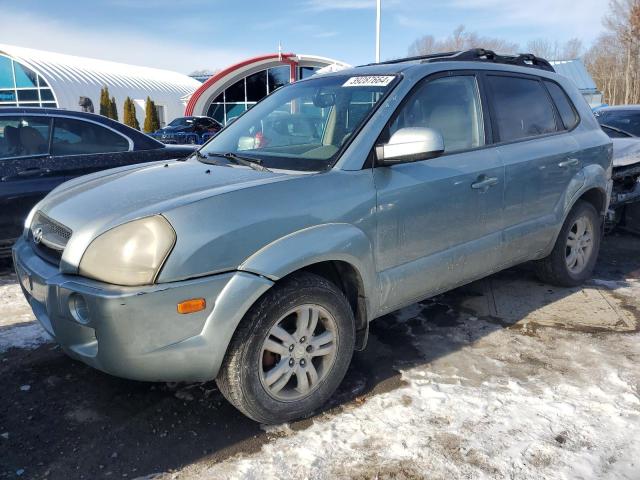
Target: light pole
(378,30)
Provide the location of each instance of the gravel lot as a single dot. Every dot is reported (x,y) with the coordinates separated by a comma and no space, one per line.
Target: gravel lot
(504,378)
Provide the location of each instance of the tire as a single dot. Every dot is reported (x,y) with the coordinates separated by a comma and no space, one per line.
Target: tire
(246,377)
(555,269)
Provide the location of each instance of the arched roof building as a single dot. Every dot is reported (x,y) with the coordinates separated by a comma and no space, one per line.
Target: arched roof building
(233,90)
(38,78)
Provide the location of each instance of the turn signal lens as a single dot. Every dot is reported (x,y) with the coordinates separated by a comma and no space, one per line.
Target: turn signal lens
(192,305)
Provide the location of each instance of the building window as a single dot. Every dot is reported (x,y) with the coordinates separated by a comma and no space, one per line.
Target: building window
(245,93)
(22,87)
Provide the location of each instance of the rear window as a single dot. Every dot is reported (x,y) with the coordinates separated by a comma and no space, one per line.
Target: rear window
(566,109)
(521,108)
(627,121)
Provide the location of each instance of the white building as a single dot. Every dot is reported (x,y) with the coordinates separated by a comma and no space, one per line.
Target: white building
(38,78)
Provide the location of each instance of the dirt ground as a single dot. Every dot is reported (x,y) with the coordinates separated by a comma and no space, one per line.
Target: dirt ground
(503,378)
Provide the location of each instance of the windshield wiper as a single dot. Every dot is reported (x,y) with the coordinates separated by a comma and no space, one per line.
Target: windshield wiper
(203,158)
(241,160)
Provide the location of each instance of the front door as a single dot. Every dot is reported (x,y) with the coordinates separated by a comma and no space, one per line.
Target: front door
(439,220)
(27,172)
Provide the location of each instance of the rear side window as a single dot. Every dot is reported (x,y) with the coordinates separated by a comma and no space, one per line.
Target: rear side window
(24,136)
(521,108)
(76,137)
(566,109)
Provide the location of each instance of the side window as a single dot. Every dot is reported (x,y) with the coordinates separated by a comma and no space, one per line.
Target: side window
(567,111)
(75,137)
(24,136)
(521,107)
(450,105)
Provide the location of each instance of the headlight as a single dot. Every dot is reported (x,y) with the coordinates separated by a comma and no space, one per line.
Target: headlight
(130,254)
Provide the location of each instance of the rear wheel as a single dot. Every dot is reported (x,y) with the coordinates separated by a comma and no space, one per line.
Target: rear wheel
(290,352)
(574,255)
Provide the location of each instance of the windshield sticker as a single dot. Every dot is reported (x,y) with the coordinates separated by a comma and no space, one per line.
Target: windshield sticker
(369,81)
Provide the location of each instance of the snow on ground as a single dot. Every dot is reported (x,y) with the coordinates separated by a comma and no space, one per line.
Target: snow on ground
(489,401)
(18,327)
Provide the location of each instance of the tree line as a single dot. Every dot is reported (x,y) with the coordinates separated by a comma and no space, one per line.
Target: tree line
(613,60)
(108,109)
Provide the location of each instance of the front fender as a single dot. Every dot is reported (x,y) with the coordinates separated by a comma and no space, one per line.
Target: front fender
(328,242)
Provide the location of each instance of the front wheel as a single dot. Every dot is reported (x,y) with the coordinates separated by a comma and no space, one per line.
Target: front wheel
(290,352)
(575,252)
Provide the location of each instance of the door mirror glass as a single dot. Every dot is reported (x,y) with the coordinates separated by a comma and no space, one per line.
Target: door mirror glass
(410,144)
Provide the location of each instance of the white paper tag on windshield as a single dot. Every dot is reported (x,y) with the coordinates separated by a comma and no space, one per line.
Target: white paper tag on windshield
(369,81)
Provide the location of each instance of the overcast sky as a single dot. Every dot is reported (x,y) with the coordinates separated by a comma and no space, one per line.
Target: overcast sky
(186,35)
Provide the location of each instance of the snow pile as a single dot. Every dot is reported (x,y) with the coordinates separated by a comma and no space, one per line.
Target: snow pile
(18,329)
(499,404)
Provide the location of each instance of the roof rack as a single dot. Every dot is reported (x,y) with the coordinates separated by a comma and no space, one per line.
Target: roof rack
(478,55)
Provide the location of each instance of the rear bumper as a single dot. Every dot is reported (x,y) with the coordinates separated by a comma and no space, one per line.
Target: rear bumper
(136,332)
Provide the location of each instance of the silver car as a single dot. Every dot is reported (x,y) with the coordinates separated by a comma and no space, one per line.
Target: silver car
(259,262)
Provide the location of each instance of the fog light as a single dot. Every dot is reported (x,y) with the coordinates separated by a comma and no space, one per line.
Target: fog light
(192,305)
(78,308)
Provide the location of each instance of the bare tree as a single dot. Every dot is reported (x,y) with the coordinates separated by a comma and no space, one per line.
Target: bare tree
(554,50)
(460,39)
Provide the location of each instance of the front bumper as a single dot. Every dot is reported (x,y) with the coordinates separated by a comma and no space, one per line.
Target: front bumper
(136,332)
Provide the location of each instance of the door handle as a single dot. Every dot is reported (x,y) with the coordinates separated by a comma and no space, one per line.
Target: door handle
(32,172)
(571,162)
(485,183)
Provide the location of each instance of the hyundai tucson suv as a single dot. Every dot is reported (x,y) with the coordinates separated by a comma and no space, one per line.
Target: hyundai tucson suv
(261,263)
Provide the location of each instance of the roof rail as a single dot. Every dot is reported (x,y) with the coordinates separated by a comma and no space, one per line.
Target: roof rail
(479,55)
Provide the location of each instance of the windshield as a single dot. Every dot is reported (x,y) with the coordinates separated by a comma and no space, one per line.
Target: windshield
(181,122)
(626,121)
(303,126)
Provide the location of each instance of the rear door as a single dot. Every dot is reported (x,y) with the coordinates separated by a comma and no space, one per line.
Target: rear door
(539,157)
(27,171)
(439,220)
(85,147)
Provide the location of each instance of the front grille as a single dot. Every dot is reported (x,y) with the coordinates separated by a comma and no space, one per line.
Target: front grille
(49,237)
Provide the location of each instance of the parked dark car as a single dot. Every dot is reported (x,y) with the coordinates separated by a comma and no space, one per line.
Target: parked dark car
(622,124)
(41,148)
(194,130)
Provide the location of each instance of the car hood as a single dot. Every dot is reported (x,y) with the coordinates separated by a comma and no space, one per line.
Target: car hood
(626,151)
(95,203)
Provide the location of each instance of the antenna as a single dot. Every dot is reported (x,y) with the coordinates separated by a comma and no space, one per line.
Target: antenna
(279,51)
(378,8)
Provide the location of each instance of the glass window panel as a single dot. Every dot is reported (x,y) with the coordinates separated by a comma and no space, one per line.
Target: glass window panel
(74,137)
(234,110)
(7,95)
(565,107)
(42,82)
(257,86)
(522,108)
(46,95)
(216,111)
(306,72)
(25,77)
(278,77)
(28,95)
(450,105)
(49,104)
(235,93)
(23,136)
(6,73)
(219,98)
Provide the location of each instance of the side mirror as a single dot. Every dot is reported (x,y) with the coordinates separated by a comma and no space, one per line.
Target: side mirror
(410,145)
